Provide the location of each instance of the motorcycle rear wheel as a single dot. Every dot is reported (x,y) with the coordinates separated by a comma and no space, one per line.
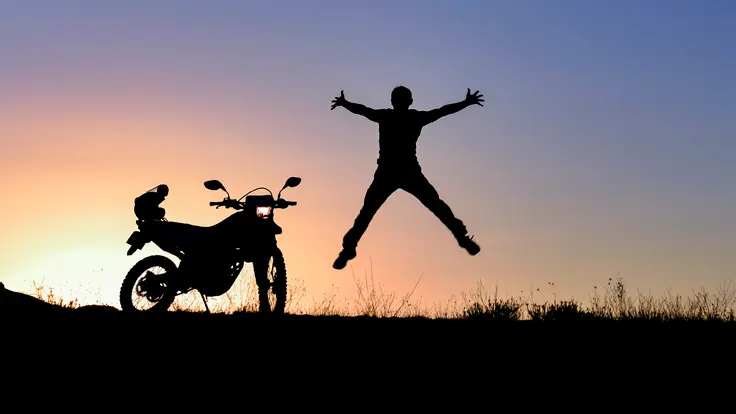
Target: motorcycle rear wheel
(164,296)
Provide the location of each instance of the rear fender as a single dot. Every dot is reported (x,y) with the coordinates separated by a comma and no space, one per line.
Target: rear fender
(136,241)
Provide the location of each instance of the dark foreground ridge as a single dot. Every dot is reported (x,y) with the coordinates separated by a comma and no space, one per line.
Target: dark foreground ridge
(31,328)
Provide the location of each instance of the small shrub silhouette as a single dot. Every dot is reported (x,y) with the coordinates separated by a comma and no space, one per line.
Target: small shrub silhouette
(562,311)
(500,310)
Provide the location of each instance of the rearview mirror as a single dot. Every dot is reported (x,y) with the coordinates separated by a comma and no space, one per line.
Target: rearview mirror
(213,185)
(292,182)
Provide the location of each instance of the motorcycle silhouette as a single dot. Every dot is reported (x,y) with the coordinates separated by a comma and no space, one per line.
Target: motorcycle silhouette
(211,258)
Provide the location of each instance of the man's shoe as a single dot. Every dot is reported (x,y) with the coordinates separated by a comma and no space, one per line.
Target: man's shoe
(468,244)
(343,258)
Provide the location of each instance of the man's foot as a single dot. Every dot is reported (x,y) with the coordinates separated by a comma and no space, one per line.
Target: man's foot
(468,244)
(342,259)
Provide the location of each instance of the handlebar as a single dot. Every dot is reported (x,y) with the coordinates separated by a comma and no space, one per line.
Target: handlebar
(230,203)
(281,203)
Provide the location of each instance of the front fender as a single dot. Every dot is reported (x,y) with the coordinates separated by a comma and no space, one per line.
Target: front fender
(276,228)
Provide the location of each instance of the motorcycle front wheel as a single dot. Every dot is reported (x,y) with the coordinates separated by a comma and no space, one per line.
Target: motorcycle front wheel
(144,282)
(278,280)
(271,280)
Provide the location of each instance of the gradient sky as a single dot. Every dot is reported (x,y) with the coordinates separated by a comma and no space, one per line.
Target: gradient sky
(605,147)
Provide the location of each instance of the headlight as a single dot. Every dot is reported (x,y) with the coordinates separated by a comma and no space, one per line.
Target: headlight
(263,211)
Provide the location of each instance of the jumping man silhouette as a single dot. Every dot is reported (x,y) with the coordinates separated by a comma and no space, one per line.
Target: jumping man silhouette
(398,167)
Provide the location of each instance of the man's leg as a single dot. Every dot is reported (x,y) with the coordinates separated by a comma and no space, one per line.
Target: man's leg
(418,186)
(377,194)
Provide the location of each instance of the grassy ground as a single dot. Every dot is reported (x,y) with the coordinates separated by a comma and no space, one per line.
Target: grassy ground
(612,302)
(380,334)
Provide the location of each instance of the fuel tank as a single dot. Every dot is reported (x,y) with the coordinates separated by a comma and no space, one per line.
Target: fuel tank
(239,230)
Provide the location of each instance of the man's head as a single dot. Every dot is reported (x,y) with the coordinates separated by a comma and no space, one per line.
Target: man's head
(401,98)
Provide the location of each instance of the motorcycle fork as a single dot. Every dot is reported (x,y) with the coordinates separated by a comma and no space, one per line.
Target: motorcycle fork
(260,268)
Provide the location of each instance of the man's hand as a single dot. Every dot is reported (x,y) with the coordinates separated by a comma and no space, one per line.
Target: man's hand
(340,100)
(356,108)
(449,109)
(474,99)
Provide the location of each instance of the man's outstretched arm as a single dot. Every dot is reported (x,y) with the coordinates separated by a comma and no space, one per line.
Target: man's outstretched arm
(355,108)
(449,109)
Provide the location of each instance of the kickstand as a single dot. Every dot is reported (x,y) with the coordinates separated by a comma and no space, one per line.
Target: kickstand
(204,299)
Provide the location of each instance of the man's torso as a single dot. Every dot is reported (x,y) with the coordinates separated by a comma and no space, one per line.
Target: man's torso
(398,133)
